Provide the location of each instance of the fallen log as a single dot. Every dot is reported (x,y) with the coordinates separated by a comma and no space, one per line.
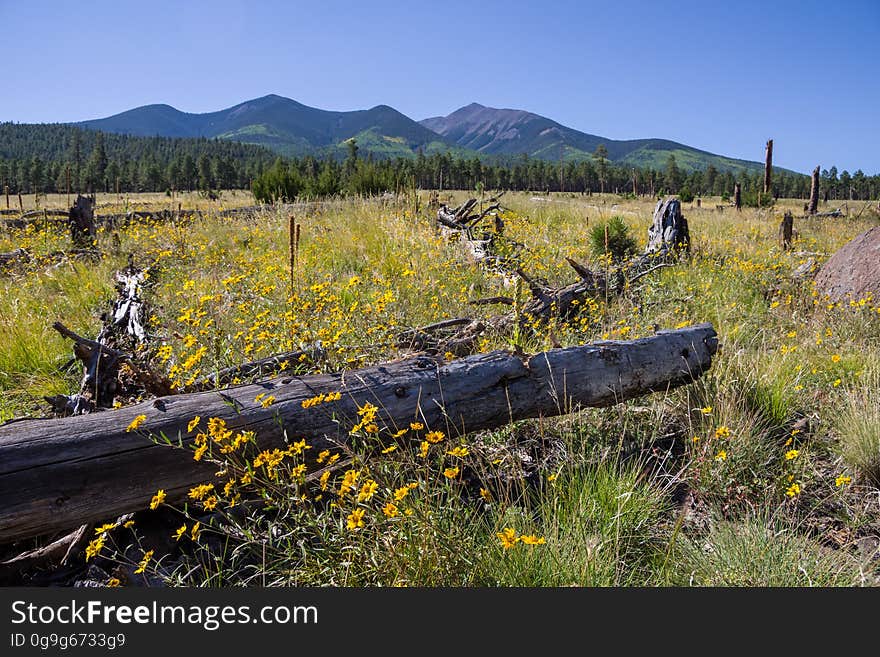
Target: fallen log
(57,474)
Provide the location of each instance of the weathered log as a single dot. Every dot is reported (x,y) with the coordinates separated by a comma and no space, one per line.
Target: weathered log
(271,365)
(814,192)
(60,473)
(13,257)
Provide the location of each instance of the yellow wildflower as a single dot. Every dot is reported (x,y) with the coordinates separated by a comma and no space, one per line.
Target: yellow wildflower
(158,498)
(451,473)
(198,492)
(435,437)
(135,423)
(791,454)
(721,455)
(367,490)
(842,480)
(793,490)
(508,537)
(193,423)
(390,509)
(460,451)
(355,519)
(531,539)
(142,566)
(722,432)
(94,547)
(180,532)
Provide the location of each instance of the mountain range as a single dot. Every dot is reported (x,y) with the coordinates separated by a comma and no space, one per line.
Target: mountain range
(293,129)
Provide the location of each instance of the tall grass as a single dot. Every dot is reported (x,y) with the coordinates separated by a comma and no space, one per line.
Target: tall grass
(722,482)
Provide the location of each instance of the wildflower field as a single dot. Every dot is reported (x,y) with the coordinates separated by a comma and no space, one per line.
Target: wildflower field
(764,472)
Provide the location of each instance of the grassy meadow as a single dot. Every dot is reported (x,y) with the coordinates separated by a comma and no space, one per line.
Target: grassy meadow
(764,472)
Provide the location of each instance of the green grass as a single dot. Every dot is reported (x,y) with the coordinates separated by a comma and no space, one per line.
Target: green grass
(774,451)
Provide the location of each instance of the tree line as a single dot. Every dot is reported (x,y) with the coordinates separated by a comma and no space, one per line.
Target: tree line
(55,157)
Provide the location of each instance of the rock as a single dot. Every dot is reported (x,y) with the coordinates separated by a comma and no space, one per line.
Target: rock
(854,271)
(805,270)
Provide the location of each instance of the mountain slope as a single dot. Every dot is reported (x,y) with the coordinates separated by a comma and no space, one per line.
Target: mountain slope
(494,131)
(286,126)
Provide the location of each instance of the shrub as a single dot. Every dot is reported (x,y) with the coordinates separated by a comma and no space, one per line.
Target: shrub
(612,238)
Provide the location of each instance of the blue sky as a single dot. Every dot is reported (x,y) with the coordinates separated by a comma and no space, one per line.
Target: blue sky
(719,76)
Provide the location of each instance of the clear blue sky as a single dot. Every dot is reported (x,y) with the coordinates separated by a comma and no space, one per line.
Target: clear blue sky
(719,76)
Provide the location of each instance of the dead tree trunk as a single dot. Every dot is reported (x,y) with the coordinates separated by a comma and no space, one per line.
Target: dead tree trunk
(82,222)
(670,229)
(768,166)
(61,473)
(737,196)
(786,228)
(814,193)
(121,336)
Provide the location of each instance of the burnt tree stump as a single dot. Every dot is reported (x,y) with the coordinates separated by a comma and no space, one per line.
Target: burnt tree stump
(669,230)
(82,221)
(786,228)
(814,193)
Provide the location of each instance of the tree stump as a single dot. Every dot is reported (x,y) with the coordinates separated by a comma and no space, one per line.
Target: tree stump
(670,229)
(785,230)
(814,193)
(82,222)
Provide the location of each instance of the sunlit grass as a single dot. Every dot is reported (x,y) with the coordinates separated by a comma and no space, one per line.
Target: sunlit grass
(785,416)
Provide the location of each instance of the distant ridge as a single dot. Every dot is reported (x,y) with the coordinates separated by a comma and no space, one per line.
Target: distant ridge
(293,129)
(511,132)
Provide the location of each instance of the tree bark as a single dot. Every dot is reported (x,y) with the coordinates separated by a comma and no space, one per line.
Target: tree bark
(61,473)
(768,166)
(814,193)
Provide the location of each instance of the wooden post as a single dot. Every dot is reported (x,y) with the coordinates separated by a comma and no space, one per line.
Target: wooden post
(768,166)
(293,233)
(635,187)
(6,189)
(737,196)
(786,228)
(699,203)
(68,184)
(814,193)
(20,204)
